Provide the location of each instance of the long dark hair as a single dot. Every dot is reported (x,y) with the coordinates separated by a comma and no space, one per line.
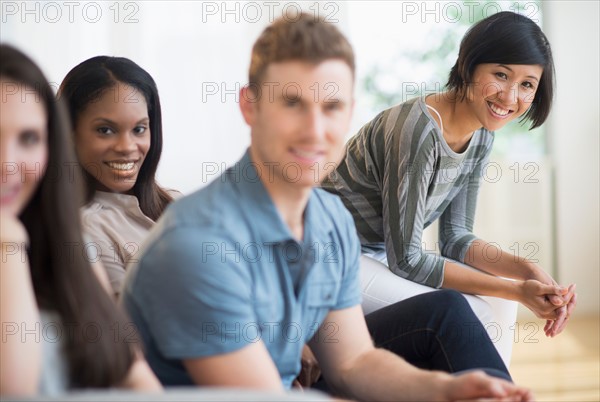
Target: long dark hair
(63,279)
(507,38)
(88,81)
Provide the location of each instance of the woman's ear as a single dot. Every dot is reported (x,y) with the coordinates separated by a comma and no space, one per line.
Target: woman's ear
(465,92)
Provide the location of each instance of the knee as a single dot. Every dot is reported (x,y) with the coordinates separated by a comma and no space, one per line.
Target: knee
(456,306)
(452,299)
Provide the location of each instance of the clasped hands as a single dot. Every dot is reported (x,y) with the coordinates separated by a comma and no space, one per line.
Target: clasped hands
(548,300)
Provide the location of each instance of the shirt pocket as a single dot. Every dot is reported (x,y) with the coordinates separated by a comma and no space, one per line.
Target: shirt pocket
(322,294)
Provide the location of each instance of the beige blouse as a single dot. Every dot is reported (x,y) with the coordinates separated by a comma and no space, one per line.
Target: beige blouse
(115,228)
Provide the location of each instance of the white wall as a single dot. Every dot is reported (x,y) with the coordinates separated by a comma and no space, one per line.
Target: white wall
(197,52)
(188,48)
(572,28)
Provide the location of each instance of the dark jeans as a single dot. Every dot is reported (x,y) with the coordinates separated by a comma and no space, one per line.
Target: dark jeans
(435,331)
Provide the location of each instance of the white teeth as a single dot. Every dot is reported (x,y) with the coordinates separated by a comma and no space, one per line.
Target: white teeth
(498,111)
(120,166)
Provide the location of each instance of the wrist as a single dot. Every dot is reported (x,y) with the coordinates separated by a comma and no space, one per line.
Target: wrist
(511,289)
(515,291)
(530,270)
(442,390)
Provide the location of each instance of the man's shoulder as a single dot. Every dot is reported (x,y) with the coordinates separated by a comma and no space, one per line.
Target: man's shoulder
(332,207)
(207,215)
(329,201)
(206,206)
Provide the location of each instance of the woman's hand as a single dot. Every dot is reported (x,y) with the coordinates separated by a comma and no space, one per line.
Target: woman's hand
(310,371)
(12,230)
(20,357)
(566,302)
(535,296)
(555,327)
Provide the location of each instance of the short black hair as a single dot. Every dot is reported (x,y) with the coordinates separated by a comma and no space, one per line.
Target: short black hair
(507,38)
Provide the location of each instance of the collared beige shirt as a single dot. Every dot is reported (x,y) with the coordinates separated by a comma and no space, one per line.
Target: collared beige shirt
(115,227)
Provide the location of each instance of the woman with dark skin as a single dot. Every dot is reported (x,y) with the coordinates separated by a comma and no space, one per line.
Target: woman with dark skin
(116,115)
(43,283)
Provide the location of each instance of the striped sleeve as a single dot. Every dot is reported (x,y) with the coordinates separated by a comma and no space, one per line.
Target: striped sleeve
(410,163)
(398,175)
(457,220)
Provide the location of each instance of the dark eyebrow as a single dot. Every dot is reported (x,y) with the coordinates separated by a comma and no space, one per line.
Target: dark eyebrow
(301,99)
(34,130)
(104,120)
(287,97)
(108,121)
(511,70)
(336,101)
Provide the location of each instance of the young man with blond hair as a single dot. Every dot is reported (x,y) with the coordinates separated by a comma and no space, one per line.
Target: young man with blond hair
(239,276)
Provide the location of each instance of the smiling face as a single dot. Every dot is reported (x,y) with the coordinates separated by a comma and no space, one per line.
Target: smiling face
(23,146)
(299,123)
(502,93)
(113,138)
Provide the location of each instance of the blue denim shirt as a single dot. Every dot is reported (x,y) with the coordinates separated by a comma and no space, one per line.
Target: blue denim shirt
(221,270)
